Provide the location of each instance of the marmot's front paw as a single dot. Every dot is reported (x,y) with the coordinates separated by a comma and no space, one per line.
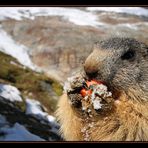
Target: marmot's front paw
(73,83)
(72,87)
(91,96)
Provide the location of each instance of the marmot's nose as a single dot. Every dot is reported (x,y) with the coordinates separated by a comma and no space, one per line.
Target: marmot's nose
(95,62)
(91,64)
(90,67)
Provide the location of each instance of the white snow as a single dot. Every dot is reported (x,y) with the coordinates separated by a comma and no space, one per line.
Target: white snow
(10,47)
(34,108)
(74,15)
(13,63)
(10,93)
(78,17)
(129,10)
(18,133)
(131,26)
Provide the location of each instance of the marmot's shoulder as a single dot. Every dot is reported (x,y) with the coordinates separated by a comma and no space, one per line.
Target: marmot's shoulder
(125,123)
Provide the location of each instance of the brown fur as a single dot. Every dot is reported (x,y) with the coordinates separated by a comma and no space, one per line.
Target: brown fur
(128,120)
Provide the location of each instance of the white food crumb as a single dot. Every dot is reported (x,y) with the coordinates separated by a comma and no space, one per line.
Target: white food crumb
(83,129)
(96,104)
(99,92)
(83,108)
(90,116)
(89,110)
(91,125)
(86,98)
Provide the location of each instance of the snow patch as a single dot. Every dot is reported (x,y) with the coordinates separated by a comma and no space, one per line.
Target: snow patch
(129,10)
(131,26)
(34,108)
(135,26)
(10,93)
(10,47)
(13,63)
(78,17)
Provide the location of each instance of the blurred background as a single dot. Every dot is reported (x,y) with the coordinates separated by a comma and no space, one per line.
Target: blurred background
(39,48)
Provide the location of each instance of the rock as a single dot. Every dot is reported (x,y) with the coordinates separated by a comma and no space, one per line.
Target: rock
(13,114)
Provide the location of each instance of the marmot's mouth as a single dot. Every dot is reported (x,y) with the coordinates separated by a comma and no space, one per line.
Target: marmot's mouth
(91,94)
(115,92)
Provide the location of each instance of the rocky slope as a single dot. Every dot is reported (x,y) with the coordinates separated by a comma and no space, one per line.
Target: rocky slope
(18,126)
(60,39)
(26,100)
(31,84)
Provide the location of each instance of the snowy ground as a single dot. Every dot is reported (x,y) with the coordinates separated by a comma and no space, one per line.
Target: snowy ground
(127,10)
(74,15)
(20,52)
(10,93)
(18,132)
(36,109)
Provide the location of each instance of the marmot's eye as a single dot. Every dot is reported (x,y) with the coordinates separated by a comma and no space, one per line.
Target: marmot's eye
(128,55)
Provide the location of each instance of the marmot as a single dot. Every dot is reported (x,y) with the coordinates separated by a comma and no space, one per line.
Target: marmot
(122,63)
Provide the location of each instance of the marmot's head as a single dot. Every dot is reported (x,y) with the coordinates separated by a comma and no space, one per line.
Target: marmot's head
(123,64)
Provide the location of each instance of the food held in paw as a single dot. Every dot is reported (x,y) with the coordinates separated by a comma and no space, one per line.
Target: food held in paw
(95,96)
